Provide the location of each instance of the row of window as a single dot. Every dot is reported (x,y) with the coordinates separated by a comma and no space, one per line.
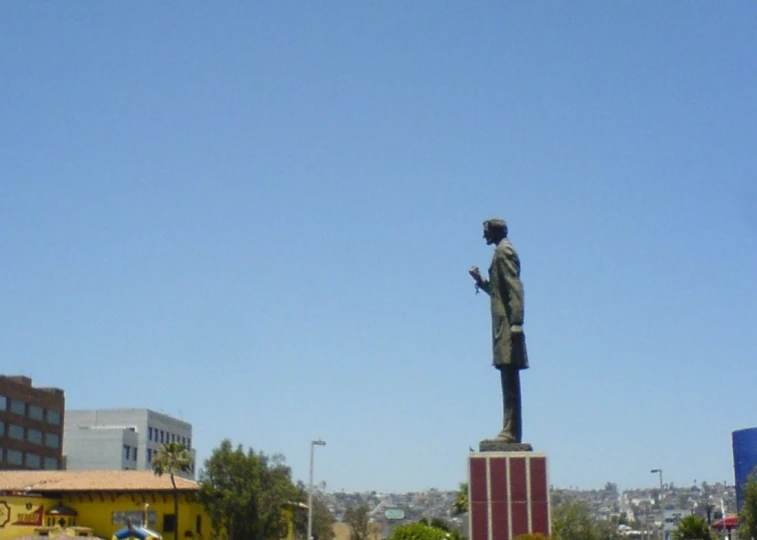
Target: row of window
(13,431)
(30,459)
(130,452)
(35,412)
(158,435)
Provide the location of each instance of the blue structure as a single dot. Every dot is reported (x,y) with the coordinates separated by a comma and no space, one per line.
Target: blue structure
(140,533)
(744,458)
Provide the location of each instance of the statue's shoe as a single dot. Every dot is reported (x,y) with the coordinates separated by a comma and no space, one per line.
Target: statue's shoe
(506,438)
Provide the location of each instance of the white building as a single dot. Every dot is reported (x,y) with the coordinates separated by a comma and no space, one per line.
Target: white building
(121,439)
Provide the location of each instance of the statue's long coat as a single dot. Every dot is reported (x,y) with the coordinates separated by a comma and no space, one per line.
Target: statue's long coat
(506,291)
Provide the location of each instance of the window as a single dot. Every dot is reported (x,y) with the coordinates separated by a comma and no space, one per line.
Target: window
(14,457)
(189,443)
(15,432)
(52,440)
(33,461)
(2,430)
(34,436)
(51,464)
(149,455)
(1,455)
(134,453)
(149,433)
(169,522)
(162,433)
(198,524)
(3,402)
(36,412)
(126,451)
(18,407)
(53,417)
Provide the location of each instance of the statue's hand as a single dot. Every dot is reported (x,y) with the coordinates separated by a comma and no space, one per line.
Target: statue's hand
(475,274)
(516,329)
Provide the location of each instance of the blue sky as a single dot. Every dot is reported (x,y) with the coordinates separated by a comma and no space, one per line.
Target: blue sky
(259,217)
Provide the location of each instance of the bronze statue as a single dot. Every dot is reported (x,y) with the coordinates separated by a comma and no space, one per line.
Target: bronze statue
(505,289)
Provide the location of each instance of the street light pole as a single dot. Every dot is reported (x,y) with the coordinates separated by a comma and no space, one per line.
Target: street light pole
(313,444)
(662,510)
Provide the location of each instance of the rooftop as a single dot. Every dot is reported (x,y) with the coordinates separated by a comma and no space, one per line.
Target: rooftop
(78,481)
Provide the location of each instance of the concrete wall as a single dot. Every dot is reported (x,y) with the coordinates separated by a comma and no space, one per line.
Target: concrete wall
(98,449)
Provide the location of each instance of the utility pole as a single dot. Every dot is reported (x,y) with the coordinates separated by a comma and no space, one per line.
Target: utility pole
(313,444)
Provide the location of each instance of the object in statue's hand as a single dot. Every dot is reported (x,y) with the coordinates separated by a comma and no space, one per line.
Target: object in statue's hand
(516,329)
(476,275)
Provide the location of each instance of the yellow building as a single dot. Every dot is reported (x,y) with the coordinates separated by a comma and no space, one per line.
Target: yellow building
(97,503)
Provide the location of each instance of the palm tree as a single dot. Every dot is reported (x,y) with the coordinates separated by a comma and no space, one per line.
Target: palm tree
(460,506)
(693,527)
(173,458)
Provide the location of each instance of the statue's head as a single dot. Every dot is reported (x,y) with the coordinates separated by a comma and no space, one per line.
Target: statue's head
(495,229)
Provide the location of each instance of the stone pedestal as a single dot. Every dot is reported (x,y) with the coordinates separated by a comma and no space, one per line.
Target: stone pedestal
(508,495)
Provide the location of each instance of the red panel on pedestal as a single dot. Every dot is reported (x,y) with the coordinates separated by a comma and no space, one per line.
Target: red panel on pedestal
(500,524)
(479,520)
(479,499)
(498,475)
(540,517)
(478,480)
(518,486)
(498,479)
(539,495)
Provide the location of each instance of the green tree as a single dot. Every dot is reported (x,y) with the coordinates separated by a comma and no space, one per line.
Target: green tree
(460,505)
(173,458)
(605,530)
(444,525)
(357,518)
(748,513)
(440,523)
(323,519)
(572,520)
(417,531)
(247,493)
(693,527)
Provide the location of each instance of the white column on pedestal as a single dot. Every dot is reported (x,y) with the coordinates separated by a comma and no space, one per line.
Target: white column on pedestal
(528,493)
(489,520)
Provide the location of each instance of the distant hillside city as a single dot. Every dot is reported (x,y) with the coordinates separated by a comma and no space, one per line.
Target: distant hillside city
(634,507)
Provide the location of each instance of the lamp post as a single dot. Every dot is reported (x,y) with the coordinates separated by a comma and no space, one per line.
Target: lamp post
(662,510)
(313,444)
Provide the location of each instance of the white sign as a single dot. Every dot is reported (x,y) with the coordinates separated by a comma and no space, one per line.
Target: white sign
(394,514)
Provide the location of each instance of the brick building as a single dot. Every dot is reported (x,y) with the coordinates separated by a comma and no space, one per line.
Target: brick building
(31,425)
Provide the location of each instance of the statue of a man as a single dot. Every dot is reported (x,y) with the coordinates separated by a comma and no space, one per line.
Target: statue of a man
(505,289)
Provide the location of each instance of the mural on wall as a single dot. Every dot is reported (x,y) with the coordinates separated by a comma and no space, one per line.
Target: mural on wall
(5,513)
(30,518)
(26,515)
